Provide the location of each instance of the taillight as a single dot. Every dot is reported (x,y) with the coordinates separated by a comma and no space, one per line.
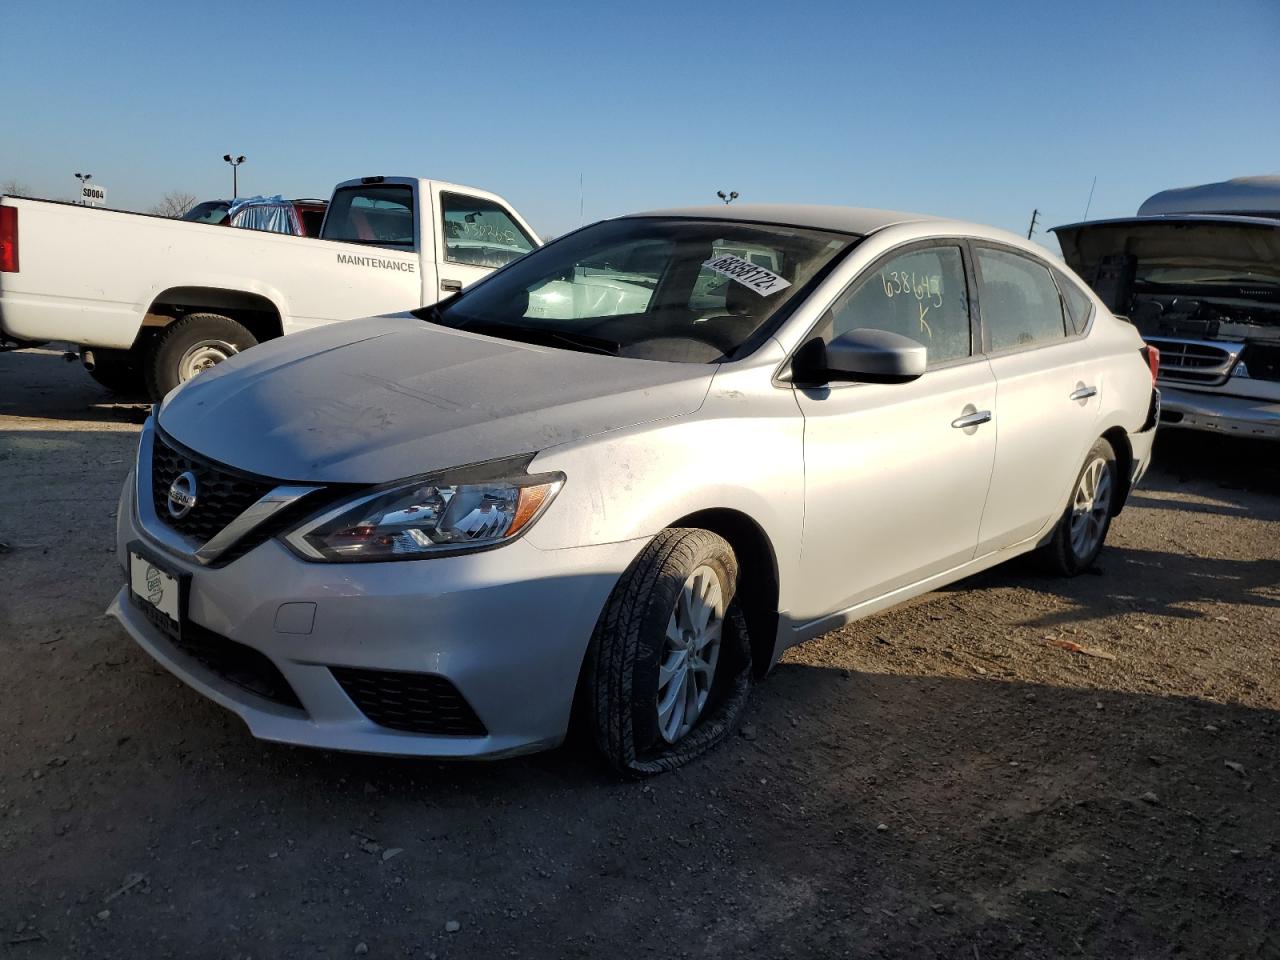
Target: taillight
(8,239)
(1152,356)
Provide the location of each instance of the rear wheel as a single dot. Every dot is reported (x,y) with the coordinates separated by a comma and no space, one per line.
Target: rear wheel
(118,370)
(190,346)
(1081,532)
(669,670)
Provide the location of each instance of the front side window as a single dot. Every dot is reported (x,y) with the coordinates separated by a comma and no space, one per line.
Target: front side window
(480,232)
(1020,303)
(673,289)
(921,294)
(380,215)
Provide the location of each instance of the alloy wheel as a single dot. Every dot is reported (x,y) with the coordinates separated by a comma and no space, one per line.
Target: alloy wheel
(1090,507)
(691,649)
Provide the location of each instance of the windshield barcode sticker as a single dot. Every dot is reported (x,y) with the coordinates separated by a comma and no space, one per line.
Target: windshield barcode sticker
(762,281)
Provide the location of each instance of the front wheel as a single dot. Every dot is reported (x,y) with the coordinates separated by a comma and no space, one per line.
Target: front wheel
(190,346)
(1081,532)
(669,670)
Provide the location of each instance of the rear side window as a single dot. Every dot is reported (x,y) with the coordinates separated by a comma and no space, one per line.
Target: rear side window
(921,294)
(377,214)
(481,232)
(1079,306)
(1020,302)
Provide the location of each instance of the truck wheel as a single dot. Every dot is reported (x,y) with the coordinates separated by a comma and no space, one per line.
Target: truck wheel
(669,668)
(190,346)
(118,370)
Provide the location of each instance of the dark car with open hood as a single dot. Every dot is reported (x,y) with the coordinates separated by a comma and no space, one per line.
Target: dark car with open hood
(1198,272)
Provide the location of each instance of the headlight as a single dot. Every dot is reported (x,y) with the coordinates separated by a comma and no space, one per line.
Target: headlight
(426,517)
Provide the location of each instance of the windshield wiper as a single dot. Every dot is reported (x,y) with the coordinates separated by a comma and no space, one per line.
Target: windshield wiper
(544,336)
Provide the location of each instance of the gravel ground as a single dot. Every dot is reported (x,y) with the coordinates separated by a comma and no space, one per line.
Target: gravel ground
(945,779)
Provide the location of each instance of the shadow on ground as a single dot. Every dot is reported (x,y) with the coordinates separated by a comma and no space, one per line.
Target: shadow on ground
(870,815)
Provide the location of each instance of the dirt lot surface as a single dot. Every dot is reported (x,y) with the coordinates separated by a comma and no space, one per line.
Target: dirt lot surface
(940,780)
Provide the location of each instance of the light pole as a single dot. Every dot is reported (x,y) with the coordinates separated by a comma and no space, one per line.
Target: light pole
(84,178)
(729,197)
(235,180)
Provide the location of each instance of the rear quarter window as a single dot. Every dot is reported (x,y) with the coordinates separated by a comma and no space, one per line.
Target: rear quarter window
(1079,306)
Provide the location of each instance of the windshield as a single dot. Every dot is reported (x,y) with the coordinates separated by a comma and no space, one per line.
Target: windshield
(693,291)
(211,211)
(1154,273)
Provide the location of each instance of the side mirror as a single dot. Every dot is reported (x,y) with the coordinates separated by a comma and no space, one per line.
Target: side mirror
(867,356)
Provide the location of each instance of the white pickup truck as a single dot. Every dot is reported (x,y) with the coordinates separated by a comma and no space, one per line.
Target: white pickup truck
(152,301)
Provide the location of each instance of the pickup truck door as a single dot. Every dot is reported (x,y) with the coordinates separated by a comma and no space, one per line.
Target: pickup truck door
(474,235)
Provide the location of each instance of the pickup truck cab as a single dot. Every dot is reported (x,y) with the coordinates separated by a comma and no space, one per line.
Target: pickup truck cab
(151,301)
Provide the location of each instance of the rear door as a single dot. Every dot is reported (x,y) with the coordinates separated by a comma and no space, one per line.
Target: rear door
(896,474)
(474,236)
(1048,394)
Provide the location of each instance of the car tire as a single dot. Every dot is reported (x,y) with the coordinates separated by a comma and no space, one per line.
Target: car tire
(635,656)
(190,345)
(119,371)
(1081,532)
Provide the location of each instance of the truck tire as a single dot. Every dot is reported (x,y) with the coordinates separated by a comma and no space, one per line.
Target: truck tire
(646,663)
(120,371)
(190,345)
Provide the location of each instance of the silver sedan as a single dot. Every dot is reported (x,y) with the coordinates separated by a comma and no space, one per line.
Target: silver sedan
(616,479)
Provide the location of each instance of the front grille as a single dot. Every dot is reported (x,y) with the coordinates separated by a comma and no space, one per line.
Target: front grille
(1195,361)
(222,494)
(416,702)
(243,666)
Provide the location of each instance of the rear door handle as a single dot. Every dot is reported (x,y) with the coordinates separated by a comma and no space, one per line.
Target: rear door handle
(451,285)
(971,419)
(1083,393)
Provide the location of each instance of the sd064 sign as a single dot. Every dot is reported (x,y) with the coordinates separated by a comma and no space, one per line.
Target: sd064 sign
(762,281)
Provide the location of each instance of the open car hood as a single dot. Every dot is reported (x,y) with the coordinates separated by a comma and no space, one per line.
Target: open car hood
(1236,245)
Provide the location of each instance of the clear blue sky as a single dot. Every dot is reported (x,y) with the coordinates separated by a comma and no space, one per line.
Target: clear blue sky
(971,109)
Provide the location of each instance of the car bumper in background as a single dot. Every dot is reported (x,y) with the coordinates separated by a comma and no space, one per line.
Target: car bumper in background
(476,655)
(1219,413)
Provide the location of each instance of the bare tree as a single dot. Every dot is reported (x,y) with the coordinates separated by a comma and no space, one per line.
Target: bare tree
(174,204)
(15,188)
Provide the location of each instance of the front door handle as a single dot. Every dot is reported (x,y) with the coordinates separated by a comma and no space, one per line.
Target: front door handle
(453,286)
(1081,392)
(972,419)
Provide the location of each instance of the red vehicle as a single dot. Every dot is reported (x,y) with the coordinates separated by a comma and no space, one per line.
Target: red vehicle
(302,217)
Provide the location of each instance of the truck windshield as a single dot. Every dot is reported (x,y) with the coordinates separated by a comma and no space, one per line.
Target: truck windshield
(674,289)
(380,215)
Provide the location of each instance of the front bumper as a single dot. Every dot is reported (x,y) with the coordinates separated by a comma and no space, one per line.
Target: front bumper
(1219,413)
(508,628)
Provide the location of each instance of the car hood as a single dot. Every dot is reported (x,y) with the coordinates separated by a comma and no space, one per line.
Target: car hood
(1239,245)
(369,401)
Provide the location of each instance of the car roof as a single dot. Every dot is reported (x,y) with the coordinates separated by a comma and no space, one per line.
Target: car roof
(856,220)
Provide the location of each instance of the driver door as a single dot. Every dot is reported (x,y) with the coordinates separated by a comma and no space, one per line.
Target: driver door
(895,475)
(475,236)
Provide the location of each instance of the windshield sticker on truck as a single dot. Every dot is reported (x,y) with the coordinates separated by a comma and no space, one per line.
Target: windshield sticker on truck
(762,281)
(355,261)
